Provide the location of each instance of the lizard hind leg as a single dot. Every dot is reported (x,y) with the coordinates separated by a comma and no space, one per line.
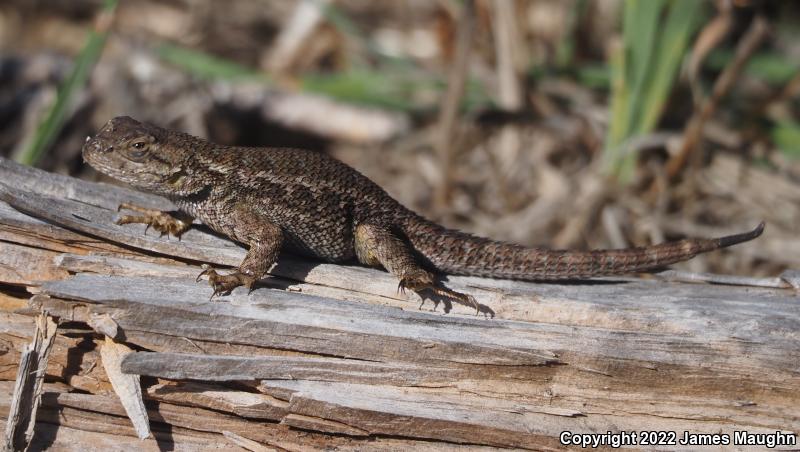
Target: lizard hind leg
(379,245)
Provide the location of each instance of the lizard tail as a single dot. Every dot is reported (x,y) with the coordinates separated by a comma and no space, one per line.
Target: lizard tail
(458,253)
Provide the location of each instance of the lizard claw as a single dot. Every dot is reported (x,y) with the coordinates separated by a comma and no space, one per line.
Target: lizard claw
(224,284)
(206,270)
(401,287)
(162,222)
(464,299)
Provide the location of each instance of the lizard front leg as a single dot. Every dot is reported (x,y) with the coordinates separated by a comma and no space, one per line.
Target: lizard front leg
(265,240)
(167,223)
(379,245)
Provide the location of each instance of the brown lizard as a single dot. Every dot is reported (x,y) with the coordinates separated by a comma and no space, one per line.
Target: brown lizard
(271,198)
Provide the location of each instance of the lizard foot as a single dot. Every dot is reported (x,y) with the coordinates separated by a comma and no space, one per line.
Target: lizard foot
(461,298)
(162,222)
(423,281)
(224,284)
(417,282)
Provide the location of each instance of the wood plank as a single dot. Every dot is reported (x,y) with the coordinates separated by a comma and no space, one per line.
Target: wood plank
(99,222)
(60,438)
(24,265)
(11,303)
(72,358)
(22,229)
(127,386)
(186,427)
(181,366)
(389,410)
(110,265)
(452,417)
(27,392)
(607,370)
(725,342)
(278,319)
(34,180)
(248,405)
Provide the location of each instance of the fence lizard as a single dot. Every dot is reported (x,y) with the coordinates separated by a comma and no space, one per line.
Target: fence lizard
(271,198)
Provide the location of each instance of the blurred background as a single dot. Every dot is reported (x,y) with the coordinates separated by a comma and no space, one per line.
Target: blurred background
(562,123)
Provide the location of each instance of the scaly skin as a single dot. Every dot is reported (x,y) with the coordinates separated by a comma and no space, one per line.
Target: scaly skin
(270,198)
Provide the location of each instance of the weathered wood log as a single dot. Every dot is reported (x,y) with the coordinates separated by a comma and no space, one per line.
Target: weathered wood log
(337,351)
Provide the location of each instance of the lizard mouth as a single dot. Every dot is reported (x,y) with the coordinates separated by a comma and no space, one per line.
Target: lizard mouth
(91,147)
(99,154)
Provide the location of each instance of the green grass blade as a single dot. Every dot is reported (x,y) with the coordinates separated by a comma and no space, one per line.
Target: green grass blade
(386,88)
(656,34)
(365,87)
(786,136)
(640,35)
(205,66)
(565,52)
(619,120)
(630,71)
(680,24)
(768,65)
(51,125)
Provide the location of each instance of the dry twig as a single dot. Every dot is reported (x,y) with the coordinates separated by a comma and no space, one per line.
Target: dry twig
(456,82)
(747,45)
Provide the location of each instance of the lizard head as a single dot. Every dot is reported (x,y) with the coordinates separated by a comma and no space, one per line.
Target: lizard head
(134,152)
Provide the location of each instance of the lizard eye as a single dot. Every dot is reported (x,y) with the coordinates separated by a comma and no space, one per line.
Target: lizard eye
(138,151)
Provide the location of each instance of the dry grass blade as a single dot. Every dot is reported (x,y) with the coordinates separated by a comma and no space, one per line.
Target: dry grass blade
(297,30)
(708,39)
(510,91)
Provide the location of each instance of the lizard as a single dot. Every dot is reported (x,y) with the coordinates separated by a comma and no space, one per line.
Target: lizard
(308,202)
